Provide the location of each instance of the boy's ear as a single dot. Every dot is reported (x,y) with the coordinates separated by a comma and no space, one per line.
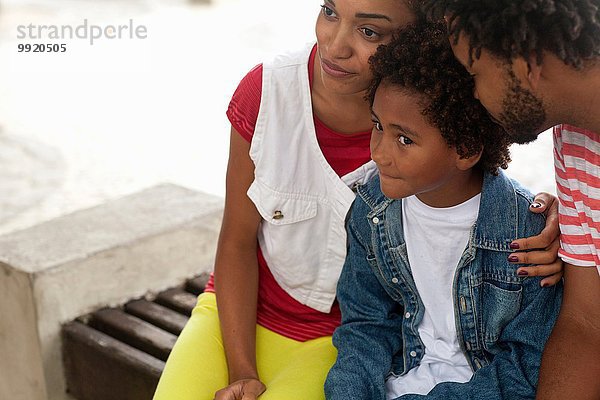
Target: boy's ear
(466,163)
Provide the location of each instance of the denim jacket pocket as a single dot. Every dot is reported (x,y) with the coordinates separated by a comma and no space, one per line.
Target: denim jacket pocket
(499,307)
(278,208)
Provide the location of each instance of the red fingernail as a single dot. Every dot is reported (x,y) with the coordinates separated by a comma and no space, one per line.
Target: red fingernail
(545,284)
(513,258)
(514,245)
(522,273)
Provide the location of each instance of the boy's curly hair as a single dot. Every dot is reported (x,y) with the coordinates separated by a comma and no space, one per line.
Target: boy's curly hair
(419,60)
(570,29)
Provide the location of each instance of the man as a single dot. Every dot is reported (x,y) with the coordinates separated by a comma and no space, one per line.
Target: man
(536,64)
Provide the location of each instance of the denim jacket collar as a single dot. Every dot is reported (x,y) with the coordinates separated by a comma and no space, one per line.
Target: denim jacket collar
(497,222)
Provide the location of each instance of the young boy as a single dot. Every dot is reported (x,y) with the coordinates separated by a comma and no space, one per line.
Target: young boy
(430,304)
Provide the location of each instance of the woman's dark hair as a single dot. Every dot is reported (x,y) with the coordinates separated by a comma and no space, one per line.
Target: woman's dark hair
(569,29)
(419,60)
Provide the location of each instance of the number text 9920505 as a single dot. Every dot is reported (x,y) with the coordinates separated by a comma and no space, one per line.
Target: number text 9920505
(41,48)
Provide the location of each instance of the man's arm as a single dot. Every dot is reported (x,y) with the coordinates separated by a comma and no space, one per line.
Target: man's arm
(571,361)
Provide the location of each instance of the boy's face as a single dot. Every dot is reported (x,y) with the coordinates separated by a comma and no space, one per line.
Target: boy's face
(411,154)
(501,91)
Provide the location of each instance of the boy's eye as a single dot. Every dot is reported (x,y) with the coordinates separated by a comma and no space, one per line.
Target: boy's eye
(404,140)
(328,12)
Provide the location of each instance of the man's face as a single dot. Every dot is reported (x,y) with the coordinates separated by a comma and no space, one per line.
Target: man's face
(502,93)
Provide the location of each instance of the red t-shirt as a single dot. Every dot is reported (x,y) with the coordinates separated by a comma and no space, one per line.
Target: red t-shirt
(277,310)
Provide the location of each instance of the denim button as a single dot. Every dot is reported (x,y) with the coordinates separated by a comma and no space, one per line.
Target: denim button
(375,220)
(413,353)
(394,280)
(407,315)
(463,304)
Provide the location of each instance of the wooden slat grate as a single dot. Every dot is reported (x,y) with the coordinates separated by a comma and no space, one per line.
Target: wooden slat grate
(119,353)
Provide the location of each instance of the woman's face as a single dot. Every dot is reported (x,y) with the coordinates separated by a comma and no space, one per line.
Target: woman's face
(348,33)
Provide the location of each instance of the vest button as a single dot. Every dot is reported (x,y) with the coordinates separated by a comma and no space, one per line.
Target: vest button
(407,315)
(413,353)
(394,280)
(375,220)
(277,214)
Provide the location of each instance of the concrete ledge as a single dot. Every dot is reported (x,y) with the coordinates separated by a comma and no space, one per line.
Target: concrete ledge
(103,256)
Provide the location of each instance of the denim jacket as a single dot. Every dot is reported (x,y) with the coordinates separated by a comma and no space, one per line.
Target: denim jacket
(503,320)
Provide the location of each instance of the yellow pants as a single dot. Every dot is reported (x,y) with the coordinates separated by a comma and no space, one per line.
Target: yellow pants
(197,367)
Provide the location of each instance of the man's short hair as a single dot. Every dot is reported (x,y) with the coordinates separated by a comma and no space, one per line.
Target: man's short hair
(569,29)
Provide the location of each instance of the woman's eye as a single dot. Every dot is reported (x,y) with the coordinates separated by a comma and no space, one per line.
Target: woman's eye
(369,33)
(404,140)
(377,125)
(328,12)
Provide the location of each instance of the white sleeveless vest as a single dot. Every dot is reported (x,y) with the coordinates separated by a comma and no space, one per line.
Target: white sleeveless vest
(301,199)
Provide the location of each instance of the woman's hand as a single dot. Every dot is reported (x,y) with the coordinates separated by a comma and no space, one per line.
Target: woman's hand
(244,389)
(545,245)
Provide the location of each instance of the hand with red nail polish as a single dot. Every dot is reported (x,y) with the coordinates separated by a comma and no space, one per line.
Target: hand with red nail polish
(541,250)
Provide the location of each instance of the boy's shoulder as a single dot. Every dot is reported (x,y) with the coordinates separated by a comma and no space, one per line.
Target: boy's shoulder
(505,208)
(499,189)
(369,201)
(369,195)
(502,188)
(503,215)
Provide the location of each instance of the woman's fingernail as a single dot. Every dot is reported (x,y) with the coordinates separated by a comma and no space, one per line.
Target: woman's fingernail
(545,284)
(513,258)
(522,273)
(514,245)
(535,204)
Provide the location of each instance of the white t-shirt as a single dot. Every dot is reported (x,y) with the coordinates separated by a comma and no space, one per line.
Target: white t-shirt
(435,241)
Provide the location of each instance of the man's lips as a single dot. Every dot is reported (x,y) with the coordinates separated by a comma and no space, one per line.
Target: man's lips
(334,69)
(495,120)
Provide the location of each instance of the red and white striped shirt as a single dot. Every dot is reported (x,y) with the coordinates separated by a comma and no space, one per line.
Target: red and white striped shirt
(577,167)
